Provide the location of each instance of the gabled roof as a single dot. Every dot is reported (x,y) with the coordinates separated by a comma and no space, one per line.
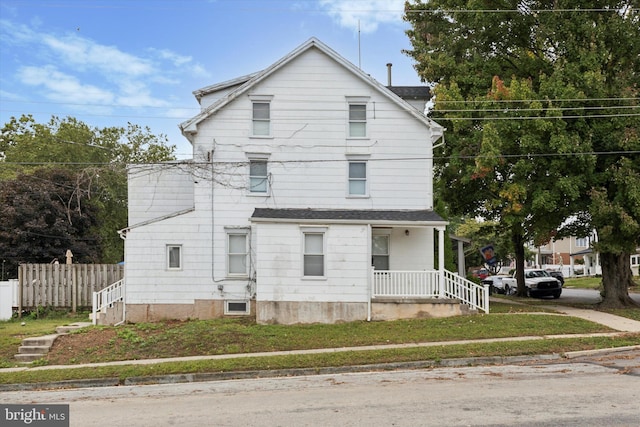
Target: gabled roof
(410,217)
(189,127)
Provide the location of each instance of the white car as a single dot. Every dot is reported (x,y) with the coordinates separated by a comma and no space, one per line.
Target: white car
(495,283)
(539,283)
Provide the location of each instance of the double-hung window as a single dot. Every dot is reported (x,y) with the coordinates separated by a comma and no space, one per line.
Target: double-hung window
(358,178)
(313,253)
(258,174)
(261,115)
(258,177)
(237,252)
(357,116)
(174,257)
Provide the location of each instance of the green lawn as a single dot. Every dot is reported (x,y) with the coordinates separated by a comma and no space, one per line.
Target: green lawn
(241,335)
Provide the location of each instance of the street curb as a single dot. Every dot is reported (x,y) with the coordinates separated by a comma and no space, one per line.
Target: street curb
(581,353)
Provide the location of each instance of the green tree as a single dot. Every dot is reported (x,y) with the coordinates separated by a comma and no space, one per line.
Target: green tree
(95,161)
(542,102)
(44,214)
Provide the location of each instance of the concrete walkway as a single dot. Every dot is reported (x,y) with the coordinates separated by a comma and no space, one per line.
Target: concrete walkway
(618,323)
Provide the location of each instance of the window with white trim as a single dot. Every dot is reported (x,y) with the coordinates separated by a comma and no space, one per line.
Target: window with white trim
(261,115)
(258,177)
(237,307)
(313,253)
(357,178)
(237,253)
(174,257)
(582,242)
(357,120)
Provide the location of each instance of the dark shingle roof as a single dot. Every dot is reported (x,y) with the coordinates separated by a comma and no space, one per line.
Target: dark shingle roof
(411,92)
(348,215)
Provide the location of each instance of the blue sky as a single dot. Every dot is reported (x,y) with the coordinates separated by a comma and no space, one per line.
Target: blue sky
(109,62)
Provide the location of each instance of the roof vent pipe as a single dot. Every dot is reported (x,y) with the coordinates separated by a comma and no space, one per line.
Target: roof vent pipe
(389,73)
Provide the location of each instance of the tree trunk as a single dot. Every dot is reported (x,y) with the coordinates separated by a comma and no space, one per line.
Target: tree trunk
(518,243)
(616,279)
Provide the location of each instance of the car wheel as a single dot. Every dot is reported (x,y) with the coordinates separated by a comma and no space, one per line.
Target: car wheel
(556,294)
(507,290)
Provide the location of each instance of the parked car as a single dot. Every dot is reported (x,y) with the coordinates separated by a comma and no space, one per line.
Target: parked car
(539,283)
(495,283)
(558,275)
(480,273)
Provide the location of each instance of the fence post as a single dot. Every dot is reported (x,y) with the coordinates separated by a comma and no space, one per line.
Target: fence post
(20,283)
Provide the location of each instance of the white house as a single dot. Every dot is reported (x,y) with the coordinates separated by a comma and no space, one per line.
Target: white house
(305,176)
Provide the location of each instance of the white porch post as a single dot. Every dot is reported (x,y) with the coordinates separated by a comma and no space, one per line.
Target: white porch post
(461,263)
(441,231)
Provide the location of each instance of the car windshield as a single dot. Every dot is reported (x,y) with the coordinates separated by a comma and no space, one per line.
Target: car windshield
(536,273)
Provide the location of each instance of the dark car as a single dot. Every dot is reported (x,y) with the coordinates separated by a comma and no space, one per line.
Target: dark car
(558,275)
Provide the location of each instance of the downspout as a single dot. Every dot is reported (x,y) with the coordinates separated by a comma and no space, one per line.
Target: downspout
(123,236)
(369,274)
(441,231)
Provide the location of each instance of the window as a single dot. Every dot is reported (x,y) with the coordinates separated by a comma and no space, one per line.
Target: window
(380,252)
(174,257)
(261,119)
(258,178)
(357,120)
(313,254)
(357,178)
(237,253)
(236,307)
(581,242)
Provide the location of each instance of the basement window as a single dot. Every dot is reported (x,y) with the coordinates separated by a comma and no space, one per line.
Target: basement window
(238,308)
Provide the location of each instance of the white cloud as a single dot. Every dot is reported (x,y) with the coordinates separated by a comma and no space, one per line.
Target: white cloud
(63,87)
(88,55)
(366,15)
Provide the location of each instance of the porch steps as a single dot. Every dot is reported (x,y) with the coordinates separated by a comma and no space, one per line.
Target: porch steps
(34,348)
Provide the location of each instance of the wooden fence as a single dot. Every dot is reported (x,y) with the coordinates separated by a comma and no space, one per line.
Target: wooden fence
(63,285)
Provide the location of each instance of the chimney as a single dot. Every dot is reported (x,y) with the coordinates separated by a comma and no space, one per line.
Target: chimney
(389,73)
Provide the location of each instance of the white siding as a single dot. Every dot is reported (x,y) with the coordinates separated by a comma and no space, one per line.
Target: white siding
(307,169)
(159,190)
(347,265)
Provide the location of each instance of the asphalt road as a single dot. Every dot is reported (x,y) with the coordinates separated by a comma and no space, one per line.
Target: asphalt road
(587,296)
(592,391)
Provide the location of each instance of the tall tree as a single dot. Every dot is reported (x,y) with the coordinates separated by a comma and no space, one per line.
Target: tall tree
(94,162)
(541,99)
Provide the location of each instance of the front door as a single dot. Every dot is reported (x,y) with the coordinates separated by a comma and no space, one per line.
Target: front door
(380,251)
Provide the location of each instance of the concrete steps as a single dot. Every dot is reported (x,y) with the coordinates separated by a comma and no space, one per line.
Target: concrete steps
(35,348)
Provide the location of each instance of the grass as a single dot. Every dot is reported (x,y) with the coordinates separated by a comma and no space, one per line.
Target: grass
(12,332)
(510,317)
(228,336)
(583,282)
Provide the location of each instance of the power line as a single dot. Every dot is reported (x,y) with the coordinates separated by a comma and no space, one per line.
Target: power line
(197,164)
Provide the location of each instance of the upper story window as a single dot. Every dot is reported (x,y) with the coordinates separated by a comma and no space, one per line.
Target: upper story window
(174,257)
(261,115)
(358,178)
(357,116)
(582,242)
(357,120)
(258,173)
(258,177)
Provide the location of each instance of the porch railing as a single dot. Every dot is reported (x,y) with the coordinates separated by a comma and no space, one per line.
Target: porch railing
(430,284)
(106,298)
